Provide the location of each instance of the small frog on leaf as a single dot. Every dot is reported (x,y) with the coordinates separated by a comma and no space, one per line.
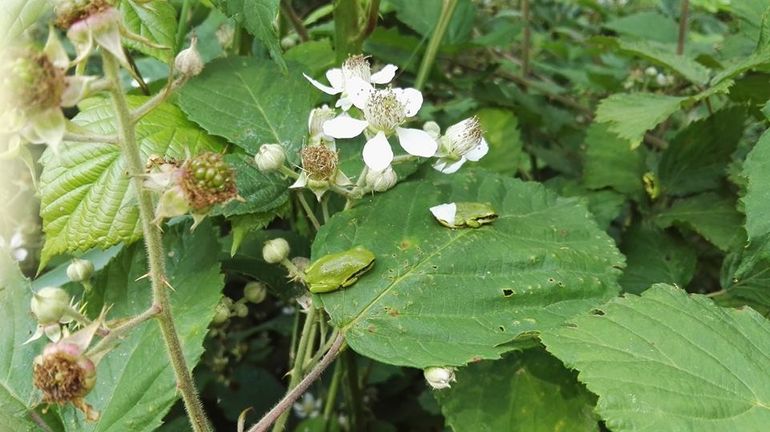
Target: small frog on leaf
(339,270)
(464,214)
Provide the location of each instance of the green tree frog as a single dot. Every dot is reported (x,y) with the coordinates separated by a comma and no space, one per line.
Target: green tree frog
(464,214)
(339,270)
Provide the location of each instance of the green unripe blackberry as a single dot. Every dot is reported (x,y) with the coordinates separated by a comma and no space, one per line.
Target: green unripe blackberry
(207,180)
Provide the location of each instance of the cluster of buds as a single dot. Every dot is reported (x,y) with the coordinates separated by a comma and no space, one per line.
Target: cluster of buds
(53,309)
(194,185)
(380,114)
(65,372)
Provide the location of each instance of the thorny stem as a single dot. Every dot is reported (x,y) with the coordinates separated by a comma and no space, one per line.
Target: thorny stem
(123,329)
(154,245)
(683,15)
(447,10)
(296,372)
(283,406)
(158,99)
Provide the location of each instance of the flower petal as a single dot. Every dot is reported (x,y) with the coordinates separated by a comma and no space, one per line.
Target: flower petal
(358,91)
(448,166)
(445,212)
(385,75)
(322,87)
(410,98)
(478,152)
(417,142)
(377,152)
(344,126)
(336,79)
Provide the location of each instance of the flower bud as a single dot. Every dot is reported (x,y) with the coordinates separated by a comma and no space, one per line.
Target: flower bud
(240,310)
(380,181)
(275,250)
(222,311)
(189,62)
(80,270)
(270,157)
(439,377)
(651,71)
(316,120)
(50,305)
(255,292)
(433,129)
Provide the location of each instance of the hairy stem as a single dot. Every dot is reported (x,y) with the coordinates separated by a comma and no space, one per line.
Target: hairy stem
(296,372)
(296,22)
(308,211)
(154,245)
(283,406)
(122,330)
(447,10)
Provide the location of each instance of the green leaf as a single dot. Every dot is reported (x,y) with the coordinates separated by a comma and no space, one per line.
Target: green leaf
(16,16)
(630,115)
(611,163)
(746,275)
(87,200)
(260,192)
(135,384)
(155,21)
(251,103)
(257,17)
(244,224)
(17,395)
(316,56)
(697,158)
(757,199)
(528,391)
(638,25)
(438,296)
(605,205)
(712,216)
(665,55)
(671,362)
(501,130)
(653,256)
(422,17)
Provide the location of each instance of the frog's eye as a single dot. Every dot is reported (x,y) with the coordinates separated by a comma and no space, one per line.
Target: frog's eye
(445,212)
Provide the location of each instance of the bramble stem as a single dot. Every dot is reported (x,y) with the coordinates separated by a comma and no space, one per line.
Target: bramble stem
(308,210)
(154,244)
(447,10)
(123,329)
(156,100)
(282,416)
(283,406)
(296,22)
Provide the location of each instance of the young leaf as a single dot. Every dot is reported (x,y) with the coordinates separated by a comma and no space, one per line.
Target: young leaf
(669,361)
(528,391)
(631,115)
(438,296)
(251,103)
(87,199)
(135,384)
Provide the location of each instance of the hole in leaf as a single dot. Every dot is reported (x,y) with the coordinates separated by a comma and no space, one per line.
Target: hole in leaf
(507,292)
(597,312)
(502,329)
